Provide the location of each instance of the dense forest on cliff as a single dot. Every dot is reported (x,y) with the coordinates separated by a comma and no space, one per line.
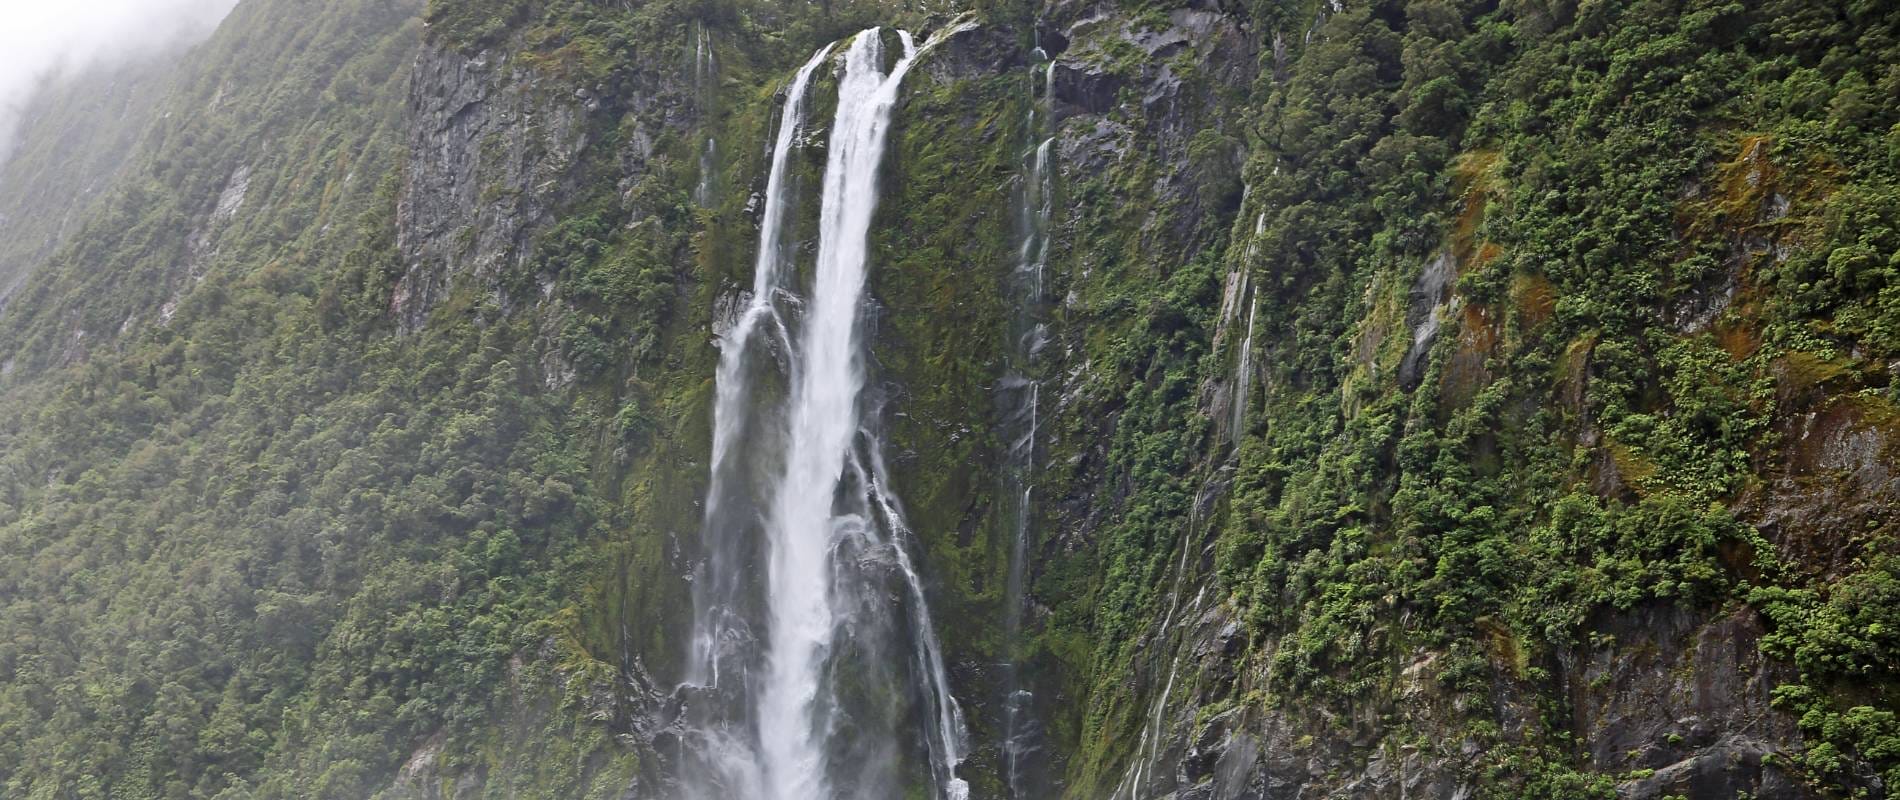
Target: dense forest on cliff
(1441,398)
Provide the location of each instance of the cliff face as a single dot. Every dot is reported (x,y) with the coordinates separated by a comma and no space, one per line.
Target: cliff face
(1289,399)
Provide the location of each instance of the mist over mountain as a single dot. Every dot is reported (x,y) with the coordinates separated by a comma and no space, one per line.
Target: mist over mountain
(45,42)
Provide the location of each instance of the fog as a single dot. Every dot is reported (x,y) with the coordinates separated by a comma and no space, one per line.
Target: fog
(40,39)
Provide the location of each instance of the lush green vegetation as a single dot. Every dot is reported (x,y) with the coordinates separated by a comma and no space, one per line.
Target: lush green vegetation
(267,544)
(264,546)
(76,140)
(1575,445)
(256,541)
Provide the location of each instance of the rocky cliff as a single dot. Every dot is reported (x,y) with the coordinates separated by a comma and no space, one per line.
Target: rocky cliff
(1412,399)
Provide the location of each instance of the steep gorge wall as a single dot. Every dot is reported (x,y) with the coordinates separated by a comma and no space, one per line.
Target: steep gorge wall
(1565,446)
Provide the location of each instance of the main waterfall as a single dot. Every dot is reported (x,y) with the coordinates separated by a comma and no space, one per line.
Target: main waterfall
(842,694)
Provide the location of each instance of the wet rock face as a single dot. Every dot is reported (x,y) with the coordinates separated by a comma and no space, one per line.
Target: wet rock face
(1424,314)
(977,51)
(1676,698)
(1086,88)
(492,149)
(1117,96)
(422,778)
(1836,481)
(1688,697)
(1680,693)
(1729,768)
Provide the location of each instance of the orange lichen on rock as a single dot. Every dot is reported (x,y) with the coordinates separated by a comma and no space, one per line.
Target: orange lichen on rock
(1535,299)
(1475,179)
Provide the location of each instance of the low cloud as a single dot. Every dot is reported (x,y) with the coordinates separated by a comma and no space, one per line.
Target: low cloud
(41,39)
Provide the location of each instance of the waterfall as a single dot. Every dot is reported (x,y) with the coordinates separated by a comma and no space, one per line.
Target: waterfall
(1020,395)
(1147,754)
(821,424)
(812,715)
(725,764)
(1243,371)
(946,737)
(705,78)
(1243,365)
(733,390)
(1148,747)
(708,162)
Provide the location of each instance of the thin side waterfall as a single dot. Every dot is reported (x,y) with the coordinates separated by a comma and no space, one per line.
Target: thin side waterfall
(1148,747)
(705,77)
(708,162)
(1243,365)
(1147,756)
(1243,372)
(946,739)
(844,684)
(1019,394)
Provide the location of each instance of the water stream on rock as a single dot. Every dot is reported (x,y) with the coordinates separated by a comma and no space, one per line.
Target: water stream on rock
(1243,365)
(705,92)
(1137,780)
(1019,395)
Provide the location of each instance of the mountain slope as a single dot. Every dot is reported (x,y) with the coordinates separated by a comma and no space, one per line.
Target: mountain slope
(74,143)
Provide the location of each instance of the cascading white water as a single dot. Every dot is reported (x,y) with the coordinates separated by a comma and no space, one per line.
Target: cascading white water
(821,424)
(833,534)
(1243,372)
(732,389)
(1243,366)
(708,161)
(946,739)
(725,764)
(1148,747)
